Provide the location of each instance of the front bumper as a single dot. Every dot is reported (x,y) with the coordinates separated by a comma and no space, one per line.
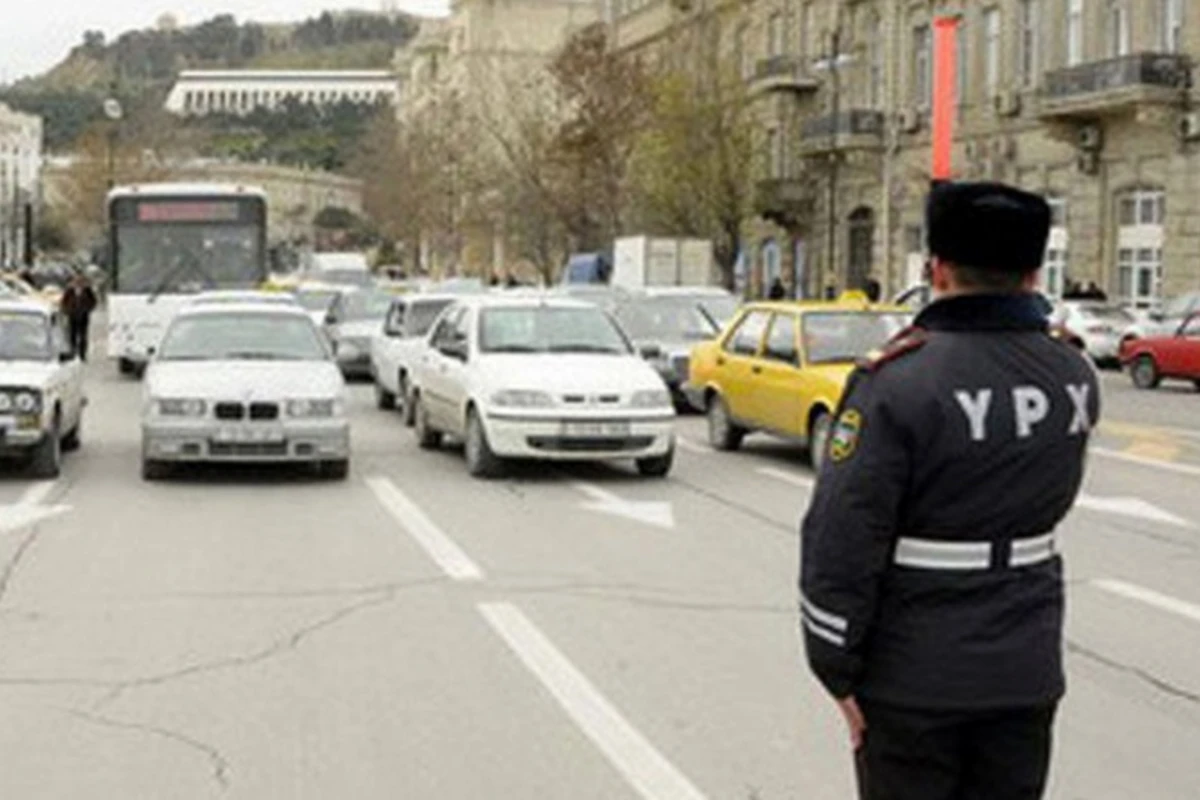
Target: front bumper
(544,437)
(210,440)
(19,441)
(354,358)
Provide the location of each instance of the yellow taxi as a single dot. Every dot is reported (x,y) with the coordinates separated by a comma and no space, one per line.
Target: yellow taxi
(780,367)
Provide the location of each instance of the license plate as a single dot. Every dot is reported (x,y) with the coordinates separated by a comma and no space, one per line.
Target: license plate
(248,436)
(604,430)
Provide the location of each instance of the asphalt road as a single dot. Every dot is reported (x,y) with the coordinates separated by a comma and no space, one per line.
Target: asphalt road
(576,633)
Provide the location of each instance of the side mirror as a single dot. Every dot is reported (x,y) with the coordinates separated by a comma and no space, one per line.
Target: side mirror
(650,352)
(456,349)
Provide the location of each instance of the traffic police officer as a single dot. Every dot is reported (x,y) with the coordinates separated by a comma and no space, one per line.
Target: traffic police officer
(931,586)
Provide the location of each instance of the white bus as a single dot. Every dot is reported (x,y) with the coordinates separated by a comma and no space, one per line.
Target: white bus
(167,242)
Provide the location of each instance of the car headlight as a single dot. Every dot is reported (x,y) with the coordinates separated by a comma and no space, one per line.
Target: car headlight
(522,398)
(651,398)
(314,408)
(181,407)
(27,402)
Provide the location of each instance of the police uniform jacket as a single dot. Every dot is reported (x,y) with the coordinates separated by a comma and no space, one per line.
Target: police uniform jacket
(929,572)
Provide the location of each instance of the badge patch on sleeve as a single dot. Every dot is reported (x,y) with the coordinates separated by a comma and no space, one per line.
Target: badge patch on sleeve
(843,439)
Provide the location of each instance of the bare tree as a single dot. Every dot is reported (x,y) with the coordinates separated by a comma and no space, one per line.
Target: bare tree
(695,159)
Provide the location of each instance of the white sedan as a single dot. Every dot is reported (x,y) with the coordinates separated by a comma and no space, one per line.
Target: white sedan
(540,378)
(397,345)
(42,399)
(248,383)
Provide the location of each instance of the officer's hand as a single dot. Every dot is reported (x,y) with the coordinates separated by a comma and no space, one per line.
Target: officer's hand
(855,720)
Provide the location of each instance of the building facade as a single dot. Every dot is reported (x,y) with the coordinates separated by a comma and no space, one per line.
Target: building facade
(200,92)
(20,180)
(464,74)
(1090,102)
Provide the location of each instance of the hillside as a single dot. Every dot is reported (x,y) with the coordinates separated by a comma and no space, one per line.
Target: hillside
(141,65)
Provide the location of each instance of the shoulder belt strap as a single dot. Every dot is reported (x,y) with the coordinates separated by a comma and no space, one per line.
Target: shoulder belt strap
(906,341)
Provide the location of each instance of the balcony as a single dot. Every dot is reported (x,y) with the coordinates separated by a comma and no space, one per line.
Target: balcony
(784,201)
(855,129)
(1115,86)
(782,74)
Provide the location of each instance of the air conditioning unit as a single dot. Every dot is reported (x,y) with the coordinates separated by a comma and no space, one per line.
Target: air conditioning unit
(1004,148)
(1007,103)
(1090,138)
(1189,126)
(909,120)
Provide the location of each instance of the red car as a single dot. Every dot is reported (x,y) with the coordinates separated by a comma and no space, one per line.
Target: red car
(1168,356)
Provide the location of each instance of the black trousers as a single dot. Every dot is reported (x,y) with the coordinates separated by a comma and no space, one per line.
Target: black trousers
(937,755)
(77,333)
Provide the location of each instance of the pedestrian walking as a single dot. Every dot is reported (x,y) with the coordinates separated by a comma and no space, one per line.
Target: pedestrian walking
(777,291)
(931,585)
(77,304)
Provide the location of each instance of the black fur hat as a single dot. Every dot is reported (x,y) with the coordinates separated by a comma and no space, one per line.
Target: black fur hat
(987,225)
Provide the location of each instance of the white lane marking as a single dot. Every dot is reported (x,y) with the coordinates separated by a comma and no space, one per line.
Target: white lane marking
(37,493)
(800,481)
(444,552)
(692,447)
(646,769)
(1131,507)
(1182,469)
(654,513)
(28,510)
(1150,597)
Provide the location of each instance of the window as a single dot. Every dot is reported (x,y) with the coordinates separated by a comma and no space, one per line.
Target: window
(1058,211)
(781,342)
(748,336)
(1118,29)
(991,50)
(1074,32)
(1142,207)
(1029,42)
(1171,12)
(921,78)
(877,64)
(775,35)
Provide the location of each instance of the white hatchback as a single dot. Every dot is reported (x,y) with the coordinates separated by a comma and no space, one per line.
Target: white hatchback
(540,378)
(397,345)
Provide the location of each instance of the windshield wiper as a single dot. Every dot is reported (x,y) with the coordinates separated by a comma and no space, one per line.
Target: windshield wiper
(189,263)
(513,348)
(258,355)
(583,348)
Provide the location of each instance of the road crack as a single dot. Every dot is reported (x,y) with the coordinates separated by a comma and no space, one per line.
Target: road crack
(1164,686)
(218,763)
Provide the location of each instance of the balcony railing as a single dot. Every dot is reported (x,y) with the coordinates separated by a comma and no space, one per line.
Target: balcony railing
(785,73)
(1116,83)
(856,123)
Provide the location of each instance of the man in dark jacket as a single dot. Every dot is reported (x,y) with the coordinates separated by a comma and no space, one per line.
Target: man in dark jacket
(931,587)
(77,304)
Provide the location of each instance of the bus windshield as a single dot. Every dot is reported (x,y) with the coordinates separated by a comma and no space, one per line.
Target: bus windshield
(187,244)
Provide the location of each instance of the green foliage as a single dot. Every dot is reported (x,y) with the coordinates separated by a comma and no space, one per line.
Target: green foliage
(145,63)
(299,134)
(52,235)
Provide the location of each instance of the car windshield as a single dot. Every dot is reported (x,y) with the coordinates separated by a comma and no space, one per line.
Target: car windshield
(549,329)
(366,306)
(721,309)
(316,299)
(667,319)
(1181,306)
(421,315)
(1114,314)
(24,337)
(242,336)
(832,337)
(347,276)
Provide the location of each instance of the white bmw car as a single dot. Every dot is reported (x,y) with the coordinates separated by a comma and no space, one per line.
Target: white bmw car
(540,378)
(244,383)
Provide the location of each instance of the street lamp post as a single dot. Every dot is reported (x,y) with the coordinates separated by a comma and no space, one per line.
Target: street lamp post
(114,112)
(832,63)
